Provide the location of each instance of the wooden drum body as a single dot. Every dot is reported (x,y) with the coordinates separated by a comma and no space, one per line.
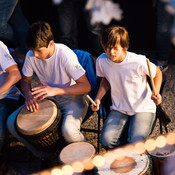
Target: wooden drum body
(79,152)
(162,159)
(41,128)
(129,163)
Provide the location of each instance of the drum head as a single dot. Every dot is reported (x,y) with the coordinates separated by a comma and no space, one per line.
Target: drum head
(130,163)
(30,123)
(80,151)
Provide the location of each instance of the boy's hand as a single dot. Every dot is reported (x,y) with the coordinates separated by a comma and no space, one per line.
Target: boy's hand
(31,103)
(97,107)
(43,91)
(156,98)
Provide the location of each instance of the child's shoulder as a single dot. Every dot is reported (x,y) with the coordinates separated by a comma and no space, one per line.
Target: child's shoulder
(133,54)
(102,56)
(136,56)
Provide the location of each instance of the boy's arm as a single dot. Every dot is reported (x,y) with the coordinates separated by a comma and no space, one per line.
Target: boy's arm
(104,87)
(157,84)
(82,86)
(158,80)
(30,101)
(13,77)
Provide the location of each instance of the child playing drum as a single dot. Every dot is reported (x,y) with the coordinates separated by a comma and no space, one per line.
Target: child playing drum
(9,94)
(61,75)
(133,104)
(62,79)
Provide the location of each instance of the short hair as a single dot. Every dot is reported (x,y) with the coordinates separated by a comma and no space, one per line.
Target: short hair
(39,35)
(115,35)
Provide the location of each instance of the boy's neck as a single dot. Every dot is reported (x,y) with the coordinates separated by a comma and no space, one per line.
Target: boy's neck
(52,49)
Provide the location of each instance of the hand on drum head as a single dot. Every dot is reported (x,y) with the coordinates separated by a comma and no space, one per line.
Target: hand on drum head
(43,91)
(31,103)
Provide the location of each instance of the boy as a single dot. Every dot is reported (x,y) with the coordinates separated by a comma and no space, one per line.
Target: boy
(9,94)
(62,79)
(61,75)
(133,104)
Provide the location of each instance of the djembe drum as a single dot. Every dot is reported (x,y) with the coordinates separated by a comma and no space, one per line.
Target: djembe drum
(161,158)
(79,152)
(130,163)
(41,128)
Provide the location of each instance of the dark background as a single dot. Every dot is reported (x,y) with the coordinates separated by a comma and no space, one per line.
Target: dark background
(139,17)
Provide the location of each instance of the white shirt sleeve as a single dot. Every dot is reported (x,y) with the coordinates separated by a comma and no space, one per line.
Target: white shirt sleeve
(72,66)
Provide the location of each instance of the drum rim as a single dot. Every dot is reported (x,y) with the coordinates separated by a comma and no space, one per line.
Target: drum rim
(44,127)
(154,155)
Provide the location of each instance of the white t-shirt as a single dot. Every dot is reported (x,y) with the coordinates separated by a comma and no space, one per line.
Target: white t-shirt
(6,61)
(60,70)
(130,92)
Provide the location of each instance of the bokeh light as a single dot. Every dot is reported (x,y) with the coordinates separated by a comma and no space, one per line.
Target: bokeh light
(150,145)
(56,171)
(160,141)
(88,165)
(98,161)
(67,170)
(78,167)
(170,138)
(109,157)
(45,172)
(139,147)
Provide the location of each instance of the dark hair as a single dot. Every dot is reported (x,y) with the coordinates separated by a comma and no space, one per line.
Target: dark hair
(39,35)
(115,35)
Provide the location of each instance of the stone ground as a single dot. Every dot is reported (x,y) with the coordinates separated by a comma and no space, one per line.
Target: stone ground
(21,162)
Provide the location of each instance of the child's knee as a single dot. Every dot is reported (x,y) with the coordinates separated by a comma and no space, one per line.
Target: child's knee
(72,134)
(108,142)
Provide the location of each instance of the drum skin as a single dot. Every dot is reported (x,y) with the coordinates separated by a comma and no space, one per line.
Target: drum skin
(130,163)
(79,152)
(41,128)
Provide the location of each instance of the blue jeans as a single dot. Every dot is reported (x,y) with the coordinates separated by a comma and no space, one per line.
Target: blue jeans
(120,129)
(7,106)
(73,109)
(163,34)
(13,24)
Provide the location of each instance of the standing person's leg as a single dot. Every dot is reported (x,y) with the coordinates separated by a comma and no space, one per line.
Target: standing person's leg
(20,26)
(113,128)
(74,109)
(6,10)
(93,32)
(140,126)
(68,23)
(163,35)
